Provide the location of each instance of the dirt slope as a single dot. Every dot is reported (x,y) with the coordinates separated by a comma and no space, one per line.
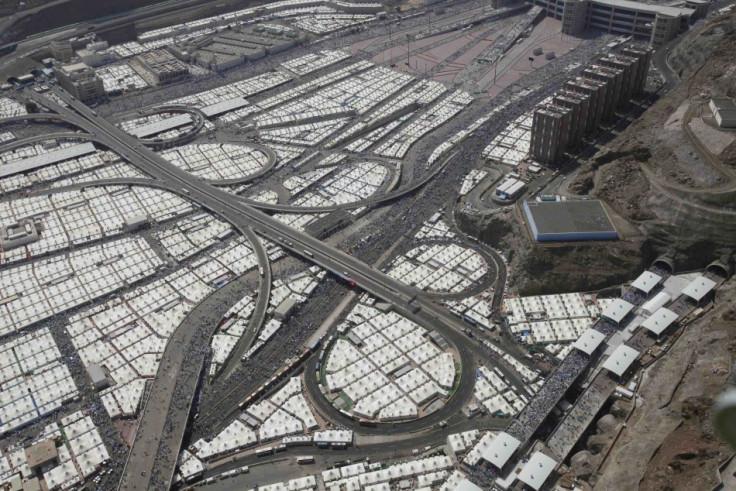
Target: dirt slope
(671,172)
(669,442)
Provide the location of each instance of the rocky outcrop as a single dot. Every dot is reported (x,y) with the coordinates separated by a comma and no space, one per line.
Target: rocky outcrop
(607,424)
(555,268)
(582,464)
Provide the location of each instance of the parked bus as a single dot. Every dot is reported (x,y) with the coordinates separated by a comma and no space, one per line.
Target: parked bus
(262,452)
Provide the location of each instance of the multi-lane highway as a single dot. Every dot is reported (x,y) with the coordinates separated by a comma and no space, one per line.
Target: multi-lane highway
(325,458)
(406,300)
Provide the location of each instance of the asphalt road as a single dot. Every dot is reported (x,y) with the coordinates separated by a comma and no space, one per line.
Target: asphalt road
(259,314)
(403,298)
(273,468)
(172,392)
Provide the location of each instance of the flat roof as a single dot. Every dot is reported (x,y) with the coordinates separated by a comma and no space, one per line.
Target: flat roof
(727,115)
(617,310)
(285,306)
(48,158)
(646,281)
(620,360)
(537,470)
(501,449)
(589,341)
(660,320)
(96,373)
(643,7)
(564,217)
(41,453)
(723,103)
(699,288)
(74,67)
(224,106)
(161,126)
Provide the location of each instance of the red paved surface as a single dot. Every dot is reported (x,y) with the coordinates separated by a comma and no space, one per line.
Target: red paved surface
(514,65)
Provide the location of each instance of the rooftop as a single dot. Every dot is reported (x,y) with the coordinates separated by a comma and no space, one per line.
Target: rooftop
(537,470)
(48,158)
(570,217)
(646,281)
(660,320)
(617,310)
(620,360)
(156,127)
(699,288)
(501,449)
(466,485)
(75,67)
(589,341)
(41,453)
(722,103)
(643,7)
(657,301)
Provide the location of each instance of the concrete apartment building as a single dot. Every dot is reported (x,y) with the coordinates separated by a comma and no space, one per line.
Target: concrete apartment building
(630,68)
(612,80)
(578,105)
(81,81)
(550,132)
(656,23)
(644,58)
(597,92)
(587,99)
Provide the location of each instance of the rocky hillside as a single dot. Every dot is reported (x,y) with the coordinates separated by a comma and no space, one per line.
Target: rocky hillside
(671,175)
(671,172)
(556,268)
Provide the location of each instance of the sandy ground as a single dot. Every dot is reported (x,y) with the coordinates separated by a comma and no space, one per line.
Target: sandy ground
(515,64)
(716,141)
(668,443)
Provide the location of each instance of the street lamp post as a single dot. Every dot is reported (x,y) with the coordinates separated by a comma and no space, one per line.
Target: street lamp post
(408,51)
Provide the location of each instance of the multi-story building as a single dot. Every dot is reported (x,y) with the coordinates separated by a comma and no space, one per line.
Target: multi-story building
(630,68)
(597,92)
(81,81)
(560,121)
(578,105)
(666,28)
(657,23)
(550,132)
(163,65)
(612,78)
(96,58)
(62,50)
(700,7)
(574,17)
(644,56)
